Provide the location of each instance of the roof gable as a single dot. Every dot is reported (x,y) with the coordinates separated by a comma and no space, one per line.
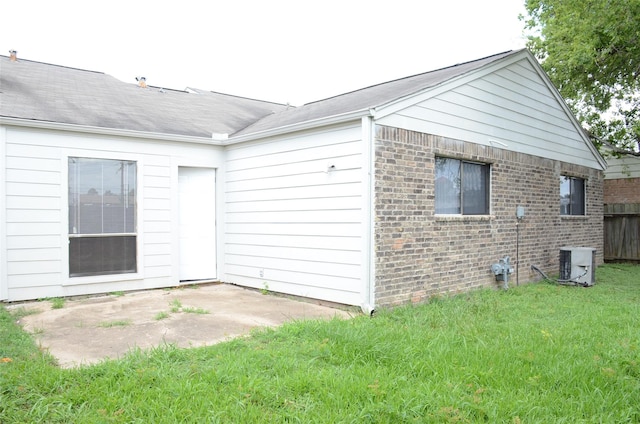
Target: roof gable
(510,104)
(367,98)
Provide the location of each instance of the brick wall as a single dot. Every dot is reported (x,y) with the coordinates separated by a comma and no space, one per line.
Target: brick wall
(623,190)
(419,254)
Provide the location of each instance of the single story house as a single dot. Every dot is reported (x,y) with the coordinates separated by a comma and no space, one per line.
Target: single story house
(381,196)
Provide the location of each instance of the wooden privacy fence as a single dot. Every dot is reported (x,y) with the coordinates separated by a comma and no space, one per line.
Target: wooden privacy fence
(622,232)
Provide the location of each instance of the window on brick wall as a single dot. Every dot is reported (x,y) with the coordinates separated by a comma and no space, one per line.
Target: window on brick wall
(572,197)
(462,187)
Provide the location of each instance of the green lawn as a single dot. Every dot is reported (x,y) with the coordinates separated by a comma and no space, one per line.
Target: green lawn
(537,353)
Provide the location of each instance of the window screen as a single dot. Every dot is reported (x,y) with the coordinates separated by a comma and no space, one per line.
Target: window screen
(461,187)
(102,216)
(572,196)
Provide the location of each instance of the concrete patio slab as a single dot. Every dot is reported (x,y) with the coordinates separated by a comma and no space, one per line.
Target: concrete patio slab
(87,330)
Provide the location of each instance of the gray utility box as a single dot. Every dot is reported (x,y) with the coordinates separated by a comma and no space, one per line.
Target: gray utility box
(578,264)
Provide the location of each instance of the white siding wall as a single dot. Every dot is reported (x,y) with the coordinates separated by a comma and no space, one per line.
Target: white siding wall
(511,108)
(3,216)
(36,209)
(293,225)
(624,167)
(33,244)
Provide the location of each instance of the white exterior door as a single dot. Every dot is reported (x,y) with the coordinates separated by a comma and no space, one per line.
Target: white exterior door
(197,209)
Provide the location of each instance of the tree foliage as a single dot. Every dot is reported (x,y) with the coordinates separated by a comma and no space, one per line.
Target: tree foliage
(591,51)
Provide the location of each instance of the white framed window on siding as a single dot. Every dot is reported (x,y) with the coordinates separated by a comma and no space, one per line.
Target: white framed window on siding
(572,196)
(102,216)
(462,187)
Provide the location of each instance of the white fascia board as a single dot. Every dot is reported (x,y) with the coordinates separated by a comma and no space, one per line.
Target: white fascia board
(28,123)
(300,126)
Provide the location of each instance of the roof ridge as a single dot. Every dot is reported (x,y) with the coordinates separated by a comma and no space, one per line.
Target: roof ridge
(410,76)
(53,64)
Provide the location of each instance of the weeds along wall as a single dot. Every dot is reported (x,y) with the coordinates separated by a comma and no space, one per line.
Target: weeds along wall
(419,254)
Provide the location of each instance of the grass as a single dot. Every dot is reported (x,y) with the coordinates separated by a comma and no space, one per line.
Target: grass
(176,305)
(115,323)
(537,353)
(23,312)
(161,315)
(57,302)
(192,310)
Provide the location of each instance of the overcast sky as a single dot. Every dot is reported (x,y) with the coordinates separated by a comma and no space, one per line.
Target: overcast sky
(285,51)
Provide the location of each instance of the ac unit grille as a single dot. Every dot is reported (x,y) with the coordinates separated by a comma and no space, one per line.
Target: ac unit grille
(565,264)
(578,265)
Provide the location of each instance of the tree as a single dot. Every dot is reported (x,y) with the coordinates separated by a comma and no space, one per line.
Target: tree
(591,51)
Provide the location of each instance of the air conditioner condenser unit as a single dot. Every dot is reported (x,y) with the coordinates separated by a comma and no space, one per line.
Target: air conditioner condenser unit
(578,265)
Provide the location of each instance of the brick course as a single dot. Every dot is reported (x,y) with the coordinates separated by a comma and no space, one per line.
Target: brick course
(622,190)
(419,254)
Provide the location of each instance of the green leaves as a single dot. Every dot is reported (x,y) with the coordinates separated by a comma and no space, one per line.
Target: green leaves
(591,51)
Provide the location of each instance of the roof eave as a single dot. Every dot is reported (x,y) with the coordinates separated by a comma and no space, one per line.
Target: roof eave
(215,139)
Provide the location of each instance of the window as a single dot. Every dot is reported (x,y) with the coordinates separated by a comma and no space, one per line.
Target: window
(572,198)
(461,187)
(102,217)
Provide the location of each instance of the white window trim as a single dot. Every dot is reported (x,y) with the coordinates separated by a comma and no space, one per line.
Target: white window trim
(64,211)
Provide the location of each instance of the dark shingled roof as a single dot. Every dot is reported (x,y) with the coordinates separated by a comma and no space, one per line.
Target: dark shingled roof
(370,97)
(43,92)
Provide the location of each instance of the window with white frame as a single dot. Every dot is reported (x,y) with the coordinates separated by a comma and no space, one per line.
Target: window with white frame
(462,187)
(102,216)
(572,196)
